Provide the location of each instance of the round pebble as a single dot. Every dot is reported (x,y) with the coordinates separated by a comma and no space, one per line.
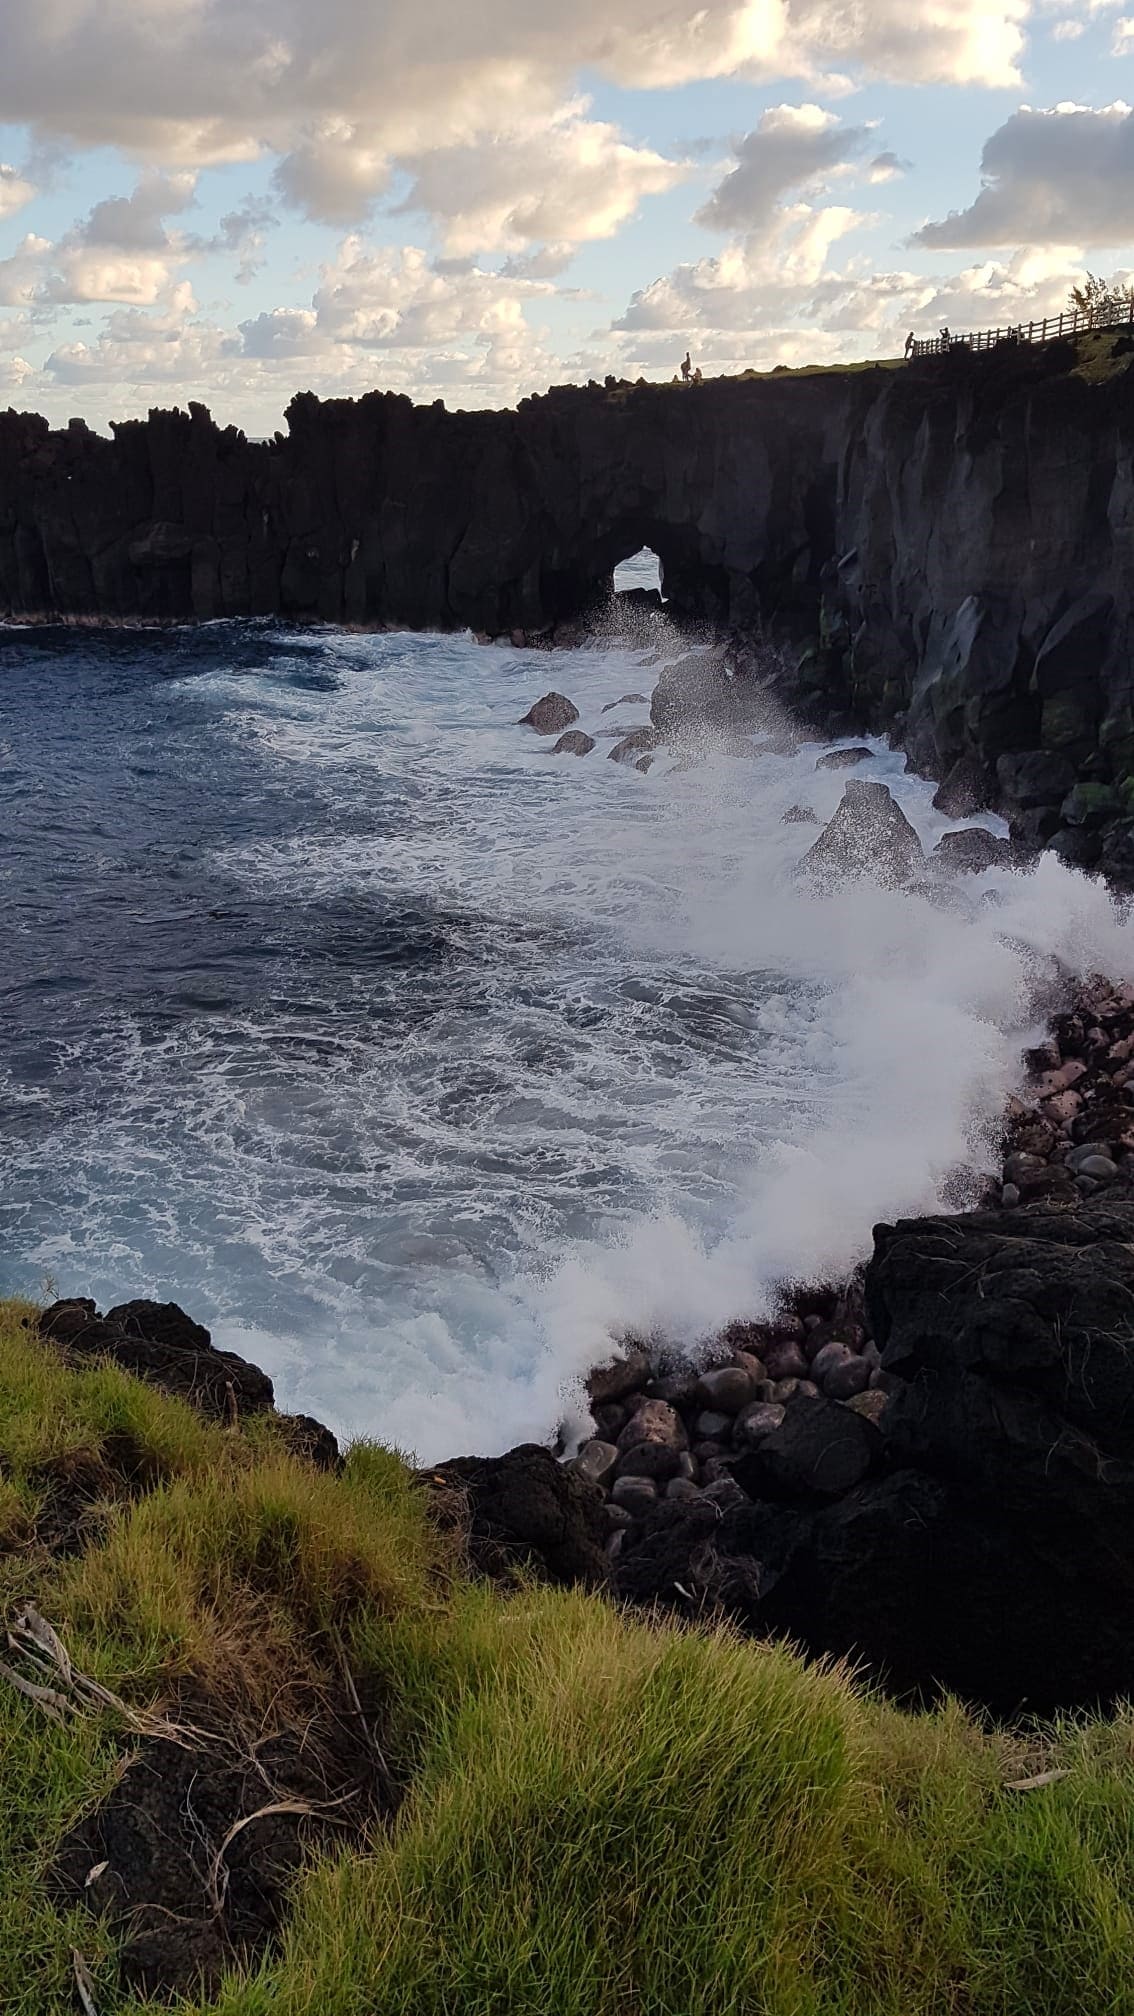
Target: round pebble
(785,1360)
(637,1494)
(596,1461)
(712,1426)
(757,1421)
(1099,1167)
(726,1493)
(844,1381)
(726,1389)
(681,1487)
(658,1460)
(825,1361)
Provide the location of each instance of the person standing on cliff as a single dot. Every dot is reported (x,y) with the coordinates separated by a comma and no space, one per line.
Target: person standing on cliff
(686,367)
(911,339)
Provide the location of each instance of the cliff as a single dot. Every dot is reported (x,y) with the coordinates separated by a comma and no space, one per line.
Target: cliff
(951,543)
(381,513)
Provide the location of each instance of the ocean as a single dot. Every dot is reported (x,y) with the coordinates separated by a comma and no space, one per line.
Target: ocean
(419,1063)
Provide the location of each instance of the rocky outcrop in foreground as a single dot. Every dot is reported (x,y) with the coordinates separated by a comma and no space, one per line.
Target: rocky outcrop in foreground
(931,1473)
(962,1523)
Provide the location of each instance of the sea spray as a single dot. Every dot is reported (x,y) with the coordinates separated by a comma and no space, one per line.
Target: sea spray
(418,1061)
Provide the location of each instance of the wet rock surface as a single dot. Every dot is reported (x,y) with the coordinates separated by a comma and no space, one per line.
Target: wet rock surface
(550,715)
(869,837)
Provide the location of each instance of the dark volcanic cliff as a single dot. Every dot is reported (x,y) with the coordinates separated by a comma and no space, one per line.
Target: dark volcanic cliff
(380,512)
(956,537)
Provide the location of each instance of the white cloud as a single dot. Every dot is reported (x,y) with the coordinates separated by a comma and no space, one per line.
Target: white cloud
(345,91)
(1068,31)
(121,251)
(792,147)
(1123,36)
(1058,177)
(565,181)
(15,190)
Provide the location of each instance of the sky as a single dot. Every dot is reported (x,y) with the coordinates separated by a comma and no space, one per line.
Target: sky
(470,200)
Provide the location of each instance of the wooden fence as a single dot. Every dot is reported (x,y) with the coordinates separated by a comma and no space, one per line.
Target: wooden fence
(1073,322)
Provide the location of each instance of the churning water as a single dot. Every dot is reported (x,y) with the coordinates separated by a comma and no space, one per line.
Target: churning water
(413,1059)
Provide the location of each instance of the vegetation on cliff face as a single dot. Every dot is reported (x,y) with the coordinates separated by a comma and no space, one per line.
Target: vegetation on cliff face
(600,1815)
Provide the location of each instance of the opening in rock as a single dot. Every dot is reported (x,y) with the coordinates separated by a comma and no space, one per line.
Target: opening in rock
(641,570)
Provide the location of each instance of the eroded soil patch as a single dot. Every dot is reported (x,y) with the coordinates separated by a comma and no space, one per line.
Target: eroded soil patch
(193,1854)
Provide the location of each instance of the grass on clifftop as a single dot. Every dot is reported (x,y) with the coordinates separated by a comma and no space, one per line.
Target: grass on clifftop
(605,1818)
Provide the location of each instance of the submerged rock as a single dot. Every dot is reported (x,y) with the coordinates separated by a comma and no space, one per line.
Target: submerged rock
(574,743)
(843,759)
(639,742)
(627,700)
(965,791)
(869,837)
(800,815)
(551,715)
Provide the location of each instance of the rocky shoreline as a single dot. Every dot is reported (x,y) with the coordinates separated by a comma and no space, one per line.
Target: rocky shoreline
(917,1471)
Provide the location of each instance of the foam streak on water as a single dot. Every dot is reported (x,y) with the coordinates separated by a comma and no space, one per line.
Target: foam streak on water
(413,1059)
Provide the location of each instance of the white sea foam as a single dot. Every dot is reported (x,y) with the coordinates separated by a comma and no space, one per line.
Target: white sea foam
(866,1040)
(629,1074)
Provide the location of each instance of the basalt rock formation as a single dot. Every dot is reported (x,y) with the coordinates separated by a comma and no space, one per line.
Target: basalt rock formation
(944,551)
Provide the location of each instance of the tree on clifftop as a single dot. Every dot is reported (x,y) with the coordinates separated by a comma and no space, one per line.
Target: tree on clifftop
(1104,300)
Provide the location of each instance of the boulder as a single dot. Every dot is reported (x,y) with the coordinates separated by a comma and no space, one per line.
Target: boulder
(869,837)
(550,715)
(965,791)
(1037,781)
(654,1421)
(574,743)
(640,741)
(819,1451)
(596,1461)
(607,1384)
(704,691)
(726,1389)
(844,759)
(158,1342)
(523,1512)
(971,851)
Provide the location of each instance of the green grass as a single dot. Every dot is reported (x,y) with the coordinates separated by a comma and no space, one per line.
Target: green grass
(606,1817)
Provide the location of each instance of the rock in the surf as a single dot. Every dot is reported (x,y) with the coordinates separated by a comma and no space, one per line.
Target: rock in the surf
(574,743)
(971,851)
(869,837)
(639,742)
(843,759)
(551,715)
